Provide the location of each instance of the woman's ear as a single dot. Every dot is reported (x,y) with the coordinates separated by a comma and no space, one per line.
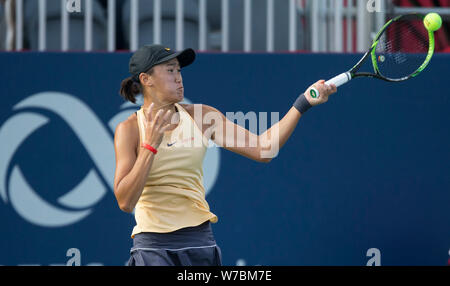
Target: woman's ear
(146,79)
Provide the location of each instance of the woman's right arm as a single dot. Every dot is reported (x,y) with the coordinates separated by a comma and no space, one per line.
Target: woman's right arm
(131,170)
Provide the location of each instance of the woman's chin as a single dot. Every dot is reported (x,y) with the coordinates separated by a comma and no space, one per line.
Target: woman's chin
(180,95)
(176,96)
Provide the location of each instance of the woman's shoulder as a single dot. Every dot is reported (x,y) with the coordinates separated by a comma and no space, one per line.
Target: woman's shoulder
(129,126)
(190,108)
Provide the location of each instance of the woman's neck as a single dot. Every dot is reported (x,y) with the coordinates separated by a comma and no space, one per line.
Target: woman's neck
(159,106)
(175,117)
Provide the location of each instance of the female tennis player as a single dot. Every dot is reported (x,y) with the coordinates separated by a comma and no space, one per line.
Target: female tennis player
(159,154)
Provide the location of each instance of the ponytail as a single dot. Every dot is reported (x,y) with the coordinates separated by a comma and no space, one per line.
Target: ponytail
(130,89)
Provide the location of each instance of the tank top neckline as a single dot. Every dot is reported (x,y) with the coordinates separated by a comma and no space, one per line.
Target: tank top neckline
(180,110)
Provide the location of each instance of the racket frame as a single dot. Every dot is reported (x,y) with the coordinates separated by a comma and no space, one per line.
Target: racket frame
(353,72)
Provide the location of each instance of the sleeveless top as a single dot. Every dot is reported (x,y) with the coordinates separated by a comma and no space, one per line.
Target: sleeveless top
(174,195)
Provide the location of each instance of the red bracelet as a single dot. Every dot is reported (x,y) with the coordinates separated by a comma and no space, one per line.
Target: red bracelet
(148,147)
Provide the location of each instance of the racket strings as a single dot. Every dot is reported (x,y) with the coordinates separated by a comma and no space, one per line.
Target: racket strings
(402,49)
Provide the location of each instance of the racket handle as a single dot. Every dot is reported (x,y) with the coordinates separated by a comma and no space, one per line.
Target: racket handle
(340,79)
(337,81)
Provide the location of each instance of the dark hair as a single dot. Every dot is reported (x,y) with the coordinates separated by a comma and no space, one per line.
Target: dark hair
(130,88)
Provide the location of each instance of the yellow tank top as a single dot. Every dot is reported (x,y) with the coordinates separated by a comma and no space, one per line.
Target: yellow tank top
(174,196)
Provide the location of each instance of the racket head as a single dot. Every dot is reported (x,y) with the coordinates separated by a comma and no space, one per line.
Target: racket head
(402,49)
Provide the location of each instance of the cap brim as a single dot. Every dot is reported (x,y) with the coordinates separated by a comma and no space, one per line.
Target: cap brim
(185,57)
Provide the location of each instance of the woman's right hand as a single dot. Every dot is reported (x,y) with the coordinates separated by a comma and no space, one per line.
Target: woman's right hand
(324,90)
(155,126)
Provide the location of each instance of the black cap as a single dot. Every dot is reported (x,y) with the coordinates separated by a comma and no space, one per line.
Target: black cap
(149,56)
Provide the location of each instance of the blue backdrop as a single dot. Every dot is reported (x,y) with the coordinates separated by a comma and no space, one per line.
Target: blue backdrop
(369,169)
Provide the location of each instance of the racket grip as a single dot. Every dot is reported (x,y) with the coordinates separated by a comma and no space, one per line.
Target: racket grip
(340,79)
(337,81)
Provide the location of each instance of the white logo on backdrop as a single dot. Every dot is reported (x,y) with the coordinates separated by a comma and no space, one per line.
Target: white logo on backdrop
(73,6)
(77,203)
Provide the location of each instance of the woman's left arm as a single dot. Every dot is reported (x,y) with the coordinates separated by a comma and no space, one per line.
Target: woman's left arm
(264,147)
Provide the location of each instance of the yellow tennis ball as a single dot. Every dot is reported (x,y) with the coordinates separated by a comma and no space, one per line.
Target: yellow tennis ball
(432,22)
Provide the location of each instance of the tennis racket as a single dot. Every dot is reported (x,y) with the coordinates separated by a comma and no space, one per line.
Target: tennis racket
(401,50)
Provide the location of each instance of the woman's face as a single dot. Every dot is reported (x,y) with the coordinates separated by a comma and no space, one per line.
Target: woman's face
(166,82)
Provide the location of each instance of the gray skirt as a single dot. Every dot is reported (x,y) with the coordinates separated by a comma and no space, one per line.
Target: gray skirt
(190,246)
